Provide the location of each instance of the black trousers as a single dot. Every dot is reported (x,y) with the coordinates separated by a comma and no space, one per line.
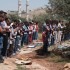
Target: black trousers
(10,50)
(45,45)
(5,44)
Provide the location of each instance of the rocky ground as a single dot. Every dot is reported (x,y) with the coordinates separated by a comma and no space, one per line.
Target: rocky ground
(47,62)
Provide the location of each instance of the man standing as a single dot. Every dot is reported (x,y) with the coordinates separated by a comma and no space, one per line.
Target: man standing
(59,31)
(25,34)
(1,39)
(5,35)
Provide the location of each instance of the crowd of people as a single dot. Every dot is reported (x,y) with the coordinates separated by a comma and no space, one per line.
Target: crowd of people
(14,34)
(53,33)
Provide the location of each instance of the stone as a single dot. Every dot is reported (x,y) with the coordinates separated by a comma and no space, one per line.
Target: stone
(66,54)
(19,62)
(23,62)
(25,51)
(67,66)
(65,44)
(31,46)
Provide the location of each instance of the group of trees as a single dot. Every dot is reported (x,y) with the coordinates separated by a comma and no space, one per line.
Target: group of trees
(60,7)
(56,10)
(16,17)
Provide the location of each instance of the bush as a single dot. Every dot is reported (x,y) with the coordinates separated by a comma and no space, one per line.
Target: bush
(15,17)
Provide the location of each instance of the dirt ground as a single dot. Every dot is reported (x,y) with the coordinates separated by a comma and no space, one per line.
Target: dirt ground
(44,61)
(38,62)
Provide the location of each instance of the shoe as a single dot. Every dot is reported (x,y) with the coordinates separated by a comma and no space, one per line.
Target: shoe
(4,57)
(14,54)
(18,50)
(1,60)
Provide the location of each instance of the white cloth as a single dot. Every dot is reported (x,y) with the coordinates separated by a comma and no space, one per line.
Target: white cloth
(56,36)
(59,36)
(4,25)
(59,25)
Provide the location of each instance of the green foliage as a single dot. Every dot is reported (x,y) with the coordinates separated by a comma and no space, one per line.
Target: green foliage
(60,7)
(15,17)
(66,30)
(20,67)
(41,19)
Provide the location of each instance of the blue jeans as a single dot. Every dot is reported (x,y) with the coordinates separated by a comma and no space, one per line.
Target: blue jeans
(67,36)
(33,36)
(18,42)
(14,44)
(1,42)
(36,37)
(52,40)
(24,39)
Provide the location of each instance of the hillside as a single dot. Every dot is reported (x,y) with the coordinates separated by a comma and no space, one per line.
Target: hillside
(35,12)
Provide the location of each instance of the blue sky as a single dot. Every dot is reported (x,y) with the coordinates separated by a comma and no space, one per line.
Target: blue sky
(13,4)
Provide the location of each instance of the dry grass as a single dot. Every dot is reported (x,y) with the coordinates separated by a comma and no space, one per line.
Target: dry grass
(20,67)
(40,36)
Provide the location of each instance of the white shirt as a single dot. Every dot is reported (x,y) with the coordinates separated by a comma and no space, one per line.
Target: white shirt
(4,24)
(59,25)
